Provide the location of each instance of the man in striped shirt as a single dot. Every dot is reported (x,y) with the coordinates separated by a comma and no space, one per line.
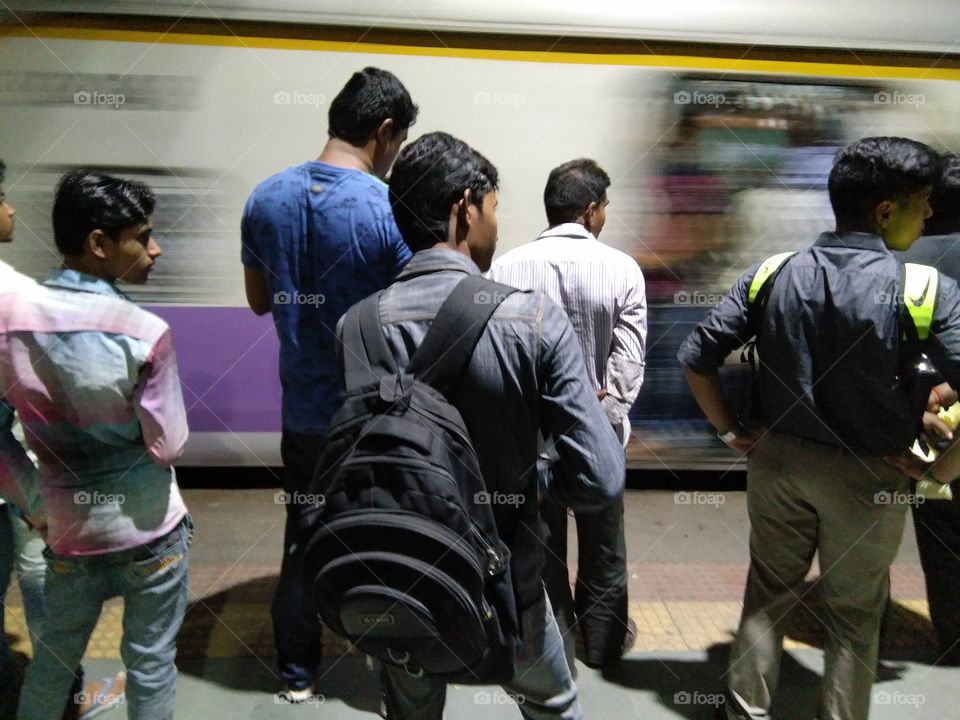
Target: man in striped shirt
(602,291)
(94,381)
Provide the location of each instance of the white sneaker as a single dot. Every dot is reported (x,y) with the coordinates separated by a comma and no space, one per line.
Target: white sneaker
(295,696)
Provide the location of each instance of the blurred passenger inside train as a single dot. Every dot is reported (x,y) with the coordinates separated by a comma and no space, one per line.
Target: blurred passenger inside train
(937,523)
(317,238)
(526,377)
(602,291)
(94,382)
(828,336)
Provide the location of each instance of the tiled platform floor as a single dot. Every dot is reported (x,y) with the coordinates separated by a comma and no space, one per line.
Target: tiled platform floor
(688,564)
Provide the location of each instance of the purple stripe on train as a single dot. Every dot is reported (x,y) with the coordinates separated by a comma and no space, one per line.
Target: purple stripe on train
(228,362)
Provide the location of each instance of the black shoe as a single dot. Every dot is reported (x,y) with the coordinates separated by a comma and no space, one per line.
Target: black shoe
(629,638)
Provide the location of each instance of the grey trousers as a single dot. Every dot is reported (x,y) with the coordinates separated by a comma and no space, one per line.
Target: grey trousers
(805,497)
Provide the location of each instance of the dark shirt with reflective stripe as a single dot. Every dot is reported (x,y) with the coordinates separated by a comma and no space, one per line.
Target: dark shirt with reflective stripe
(829,346)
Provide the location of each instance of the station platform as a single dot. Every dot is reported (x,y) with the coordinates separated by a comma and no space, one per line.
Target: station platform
(687,555)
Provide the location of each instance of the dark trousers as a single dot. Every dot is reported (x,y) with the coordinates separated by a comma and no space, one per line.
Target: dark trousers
(598,609)
(296,629)
(937,524)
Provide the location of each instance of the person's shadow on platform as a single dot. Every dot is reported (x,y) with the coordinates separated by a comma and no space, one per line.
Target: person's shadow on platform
(694,689)
(227,639)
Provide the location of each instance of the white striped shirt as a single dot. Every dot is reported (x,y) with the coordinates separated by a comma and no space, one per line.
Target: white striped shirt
(603,292)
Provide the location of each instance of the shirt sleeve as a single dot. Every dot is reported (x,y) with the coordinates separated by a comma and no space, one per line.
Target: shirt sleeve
(625,364)
(249,250)
(725,328)
(396,252)
(159,405)
(944,344)
(18,475)
(590,455)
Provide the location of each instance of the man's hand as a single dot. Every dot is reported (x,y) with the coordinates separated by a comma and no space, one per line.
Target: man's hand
(941,396)
(602,393)
(38,521)
(934,428)
(745,443)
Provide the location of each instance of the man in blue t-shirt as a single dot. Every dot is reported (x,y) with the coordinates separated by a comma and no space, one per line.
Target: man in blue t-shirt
(317,238)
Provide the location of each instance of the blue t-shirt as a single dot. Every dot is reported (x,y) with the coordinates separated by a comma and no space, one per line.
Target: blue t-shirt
(324,238)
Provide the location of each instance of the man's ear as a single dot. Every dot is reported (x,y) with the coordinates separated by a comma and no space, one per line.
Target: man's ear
(460,216)
(588,215)
(385,131)
(95,242)
(882,213)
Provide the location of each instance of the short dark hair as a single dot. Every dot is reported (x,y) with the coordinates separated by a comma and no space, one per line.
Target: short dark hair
(571,188)
(370,97)
(3,171)
(945,200)
(874,169)
(86,201)
(429,176)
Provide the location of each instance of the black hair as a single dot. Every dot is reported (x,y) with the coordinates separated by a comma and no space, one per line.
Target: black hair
(571,188)
(370,97)
(429,176)
(872,170)
(945,200)
(3,171)
(86,201)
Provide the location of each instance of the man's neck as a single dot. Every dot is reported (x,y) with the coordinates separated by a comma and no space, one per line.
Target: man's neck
(342,154)
(81,265)
(580,225)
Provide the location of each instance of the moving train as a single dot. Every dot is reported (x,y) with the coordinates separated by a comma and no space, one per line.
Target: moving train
(717,123)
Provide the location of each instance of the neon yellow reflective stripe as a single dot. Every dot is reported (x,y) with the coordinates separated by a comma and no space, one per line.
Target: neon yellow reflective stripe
(766,269)
(920,290)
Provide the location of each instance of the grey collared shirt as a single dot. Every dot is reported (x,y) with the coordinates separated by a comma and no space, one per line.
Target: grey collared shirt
(602,291)
(829,346)
(526,376)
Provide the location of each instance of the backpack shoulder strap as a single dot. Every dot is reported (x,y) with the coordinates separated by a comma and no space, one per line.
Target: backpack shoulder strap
(921,286)
(366,355)
(455,331)
(768,270)
(761,286)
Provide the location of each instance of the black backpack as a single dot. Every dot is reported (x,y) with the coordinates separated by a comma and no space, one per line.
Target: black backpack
(401,555)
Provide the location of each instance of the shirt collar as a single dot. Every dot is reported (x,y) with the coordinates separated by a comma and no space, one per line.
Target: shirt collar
(78,281)
(437,259)
(568,230)
(855,240)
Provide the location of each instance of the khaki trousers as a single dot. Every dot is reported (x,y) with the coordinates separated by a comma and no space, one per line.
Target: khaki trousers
(805,497)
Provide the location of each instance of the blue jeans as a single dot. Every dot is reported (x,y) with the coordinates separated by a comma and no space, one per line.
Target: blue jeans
(152,580)
(296,629)
(21,550)
(543,687)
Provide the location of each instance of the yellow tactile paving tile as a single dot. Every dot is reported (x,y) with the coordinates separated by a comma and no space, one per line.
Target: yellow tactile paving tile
(242,629)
